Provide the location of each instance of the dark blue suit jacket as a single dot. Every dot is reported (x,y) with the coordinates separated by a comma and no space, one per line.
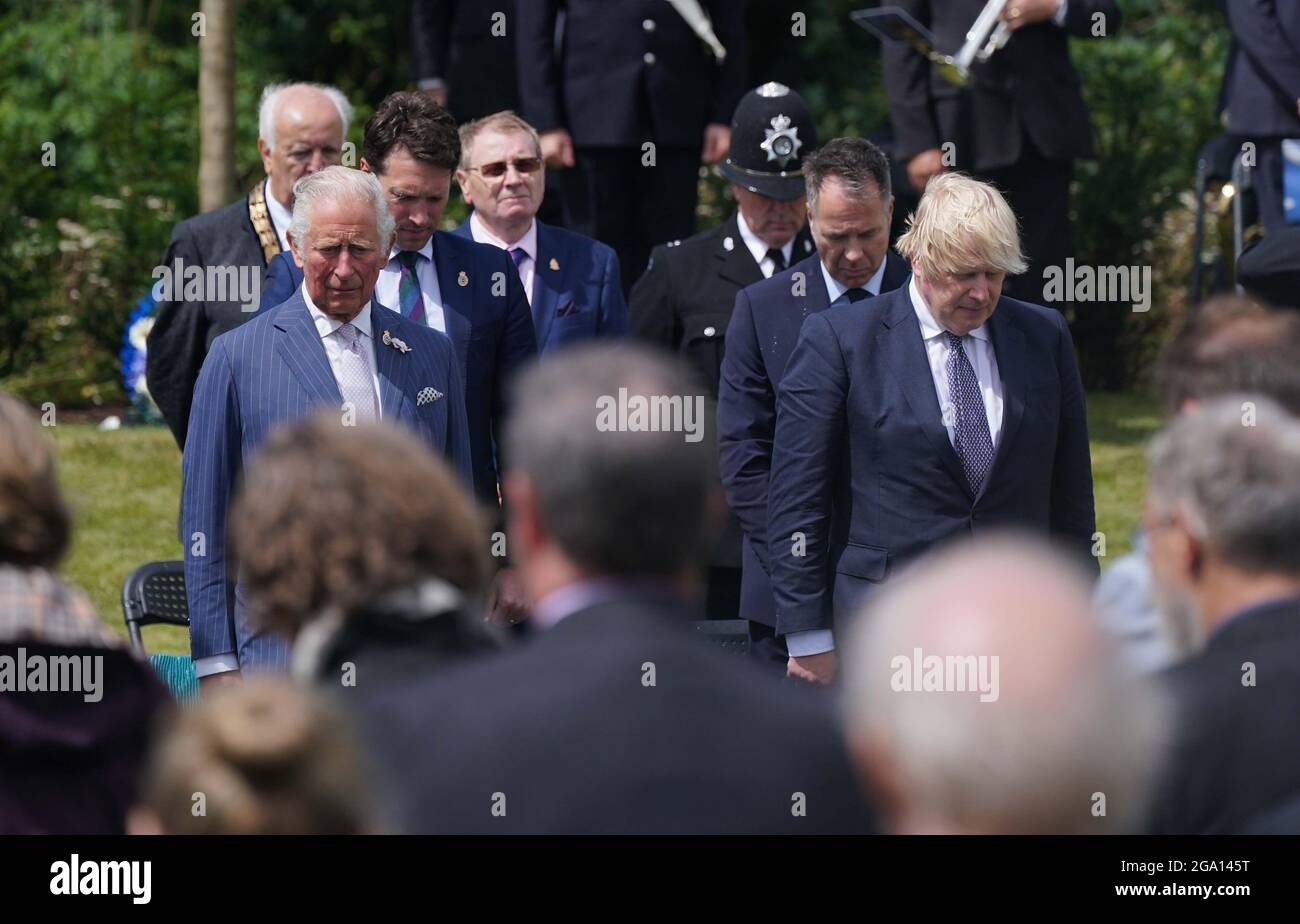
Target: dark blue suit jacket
(863,468)
(272,370)
(488,323)
(576,290)
(1263,77)
(763,330)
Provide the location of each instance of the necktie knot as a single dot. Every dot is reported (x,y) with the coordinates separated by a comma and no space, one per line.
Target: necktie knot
(519,255)
(857,294)
(777,256)
(408,258)
(954,342)
(349,334)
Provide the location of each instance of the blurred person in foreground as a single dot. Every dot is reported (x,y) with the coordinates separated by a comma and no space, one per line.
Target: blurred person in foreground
(261,757)
(982,698)
(1223,519)
(75,703)
(372,580)
(616,717)
(1229,344)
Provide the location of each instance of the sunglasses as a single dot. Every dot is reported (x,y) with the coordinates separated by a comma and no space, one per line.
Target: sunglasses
(497,169)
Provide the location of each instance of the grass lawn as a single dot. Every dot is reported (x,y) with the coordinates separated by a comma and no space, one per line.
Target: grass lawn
(124,487)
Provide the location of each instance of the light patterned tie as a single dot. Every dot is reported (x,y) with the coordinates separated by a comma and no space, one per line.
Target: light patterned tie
(355,383)
(410,298)
(974,445)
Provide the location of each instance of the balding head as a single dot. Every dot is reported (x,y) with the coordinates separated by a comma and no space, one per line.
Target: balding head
(983,697)
(300,129)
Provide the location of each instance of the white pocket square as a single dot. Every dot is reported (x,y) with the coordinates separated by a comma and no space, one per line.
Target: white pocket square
(427,395)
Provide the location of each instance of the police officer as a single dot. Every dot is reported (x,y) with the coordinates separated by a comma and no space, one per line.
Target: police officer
(684,299)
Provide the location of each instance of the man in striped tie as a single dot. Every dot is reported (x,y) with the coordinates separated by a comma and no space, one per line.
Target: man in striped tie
(940,409)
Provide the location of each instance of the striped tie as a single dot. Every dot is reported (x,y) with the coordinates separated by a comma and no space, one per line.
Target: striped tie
(410,299)
(973,442)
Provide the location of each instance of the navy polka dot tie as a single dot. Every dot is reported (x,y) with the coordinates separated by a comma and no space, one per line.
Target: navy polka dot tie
(972,441)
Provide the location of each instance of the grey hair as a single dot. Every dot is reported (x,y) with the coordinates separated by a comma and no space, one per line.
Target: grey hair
(332,185)
(854,162)
(271,94)
(1230,468)
(617,502)
(1068,719)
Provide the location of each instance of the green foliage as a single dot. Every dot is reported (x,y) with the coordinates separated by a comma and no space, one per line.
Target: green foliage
(1152,91)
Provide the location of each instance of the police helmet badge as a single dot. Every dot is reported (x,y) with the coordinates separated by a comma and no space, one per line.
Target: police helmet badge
(782,143)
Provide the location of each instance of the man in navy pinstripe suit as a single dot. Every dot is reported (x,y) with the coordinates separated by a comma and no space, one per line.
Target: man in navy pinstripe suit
(329,345)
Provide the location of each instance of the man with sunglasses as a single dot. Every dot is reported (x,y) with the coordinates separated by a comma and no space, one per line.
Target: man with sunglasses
(571,281)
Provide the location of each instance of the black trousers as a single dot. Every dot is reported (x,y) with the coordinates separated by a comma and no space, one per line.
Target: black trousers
(1038,190)
(611,196)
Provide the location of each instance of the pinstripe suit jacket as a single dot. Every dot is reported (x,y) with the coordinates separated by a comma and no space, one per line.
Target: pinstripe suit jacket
(272,370)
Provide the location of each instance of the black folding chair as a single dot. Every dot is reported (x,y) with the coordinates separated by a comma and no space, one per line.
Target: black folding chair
(154,593)
(1220,162)
(731,635)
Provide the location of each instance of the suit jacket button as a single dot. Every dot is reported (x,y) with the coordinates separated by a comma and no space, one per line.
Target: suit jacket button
(649,57)
(648,25)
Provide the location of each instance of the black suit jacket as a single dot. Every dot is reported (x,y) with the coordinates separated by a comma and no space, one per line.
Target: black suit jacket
(613,81)
(1236,753)
(453,40)
(183,330)
(1263,78)
(1028,87)
(683,303)
(567,730)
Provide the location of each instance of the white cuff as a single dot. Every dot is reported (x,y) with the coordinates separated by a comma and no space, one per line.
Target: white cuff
(216,664)
(1059,16)
(810,642)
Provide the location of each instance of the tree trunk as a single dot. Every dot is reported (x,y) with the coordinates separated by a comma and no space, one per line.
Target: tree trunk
(216,104)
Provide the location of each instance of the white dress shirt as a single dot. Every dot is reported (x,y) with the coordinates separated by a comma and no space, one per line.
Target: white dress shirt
(979,351)
(328,330)
(388,286)
(280,216)
(759,248)
(527,243)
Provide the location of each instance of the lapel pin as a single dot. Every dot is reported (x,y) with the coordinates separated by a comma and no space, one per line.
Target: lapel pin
(400,346)
(807,246)
(555,264)
(728,244)
(462,279)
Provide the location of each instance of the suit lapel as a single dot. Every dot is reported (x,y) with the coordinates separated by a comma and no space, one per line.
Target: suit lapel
(549,281)
(457,300)
(897,272)
(300,347)
(1009,350)
(390,362)
(737,264)
(900,340)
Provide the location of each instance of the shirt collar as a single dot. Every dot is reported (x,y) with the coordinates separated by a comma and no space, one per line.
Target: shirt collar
(426,251)
(280,216)
(835,289)
(527,243)
(564,601)
(929,326)
(326,325)
(756,245)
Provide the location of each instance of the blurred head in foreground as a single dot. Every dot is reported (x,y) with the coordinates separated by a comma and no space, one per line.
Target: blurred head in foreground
(1223,514)
(982,697)
(261,757)
(593,491)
